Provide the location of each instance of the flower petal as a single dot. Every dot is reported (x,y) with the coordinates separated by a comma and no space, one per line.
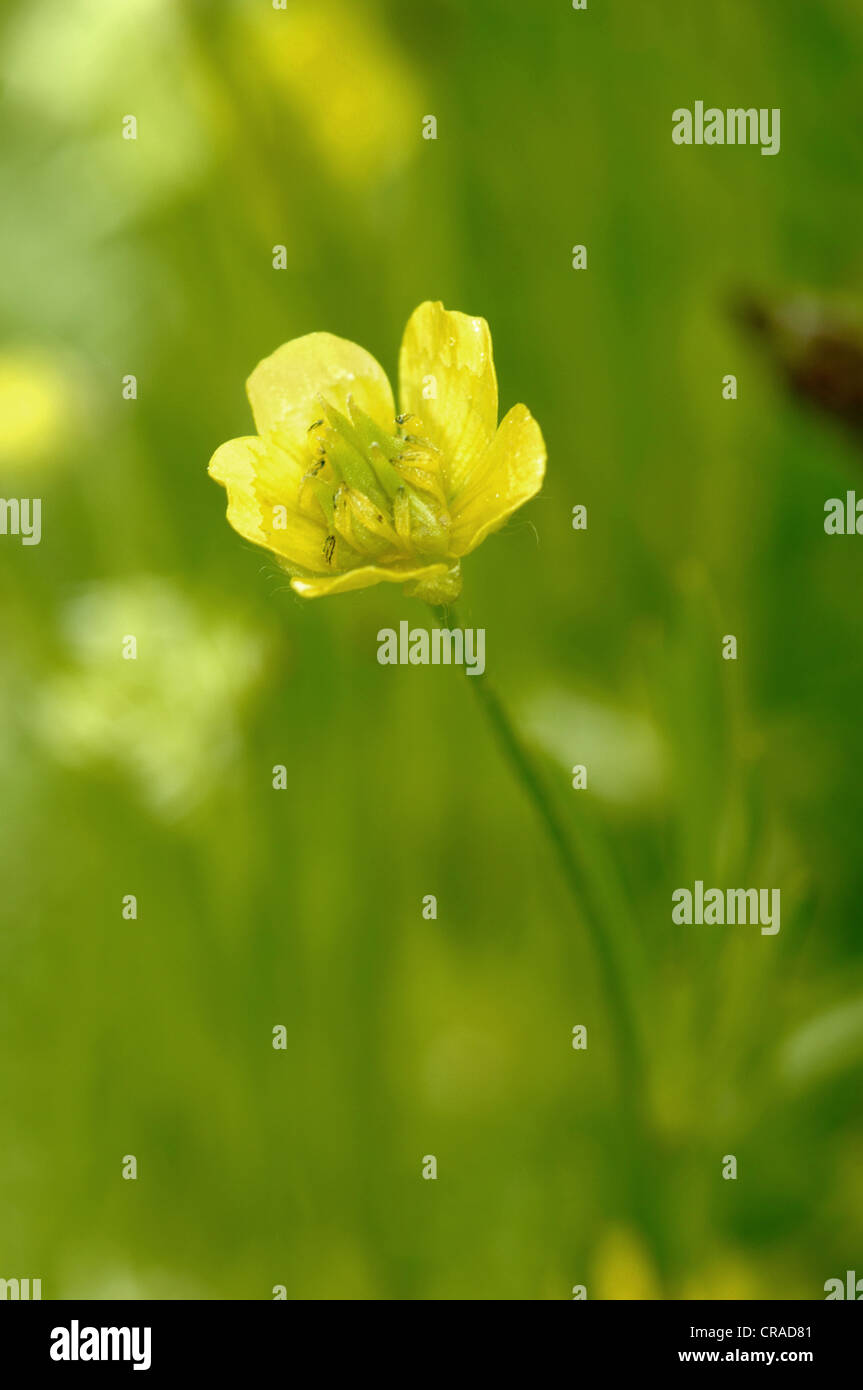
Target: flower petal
(259,479)
(447,379)
(510,473)
(233,465)
(426,581)
(285,389)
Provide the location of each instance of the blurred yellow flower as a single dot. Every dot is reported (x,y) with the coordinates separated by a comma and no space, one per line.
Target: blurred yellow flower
(171,719)
(728,1275)
(623,1268)
(36,404)
(368,126)
(347,493)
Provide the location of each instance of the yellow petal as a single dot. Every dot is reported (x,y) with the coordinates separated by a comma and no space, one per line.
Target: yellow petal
(259,479)
(437,583)
(447,378)
(285,389)
(510,473)
(233,465)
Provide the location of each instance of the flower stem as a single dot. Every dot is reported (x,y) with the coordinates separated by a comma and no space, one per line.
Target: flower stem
(578,880)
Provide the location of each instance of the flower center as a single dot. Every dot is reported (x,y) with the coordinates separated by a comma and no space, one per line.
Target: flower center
(381,495)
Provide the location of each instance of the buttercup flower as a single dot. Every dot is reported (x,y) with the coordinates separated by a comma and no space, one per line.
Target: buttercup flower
(348,492)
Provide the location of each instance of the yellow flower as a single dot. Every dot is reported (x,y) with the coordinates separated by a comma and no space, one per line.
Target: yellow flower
(346,492)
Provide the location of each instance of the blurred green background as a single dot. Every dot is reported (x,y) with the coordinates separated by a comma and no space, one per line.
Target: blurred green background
(408,1037)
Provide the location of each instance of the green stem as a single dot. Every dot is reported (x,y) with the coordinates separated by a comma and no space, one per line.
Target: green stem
(578,880)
